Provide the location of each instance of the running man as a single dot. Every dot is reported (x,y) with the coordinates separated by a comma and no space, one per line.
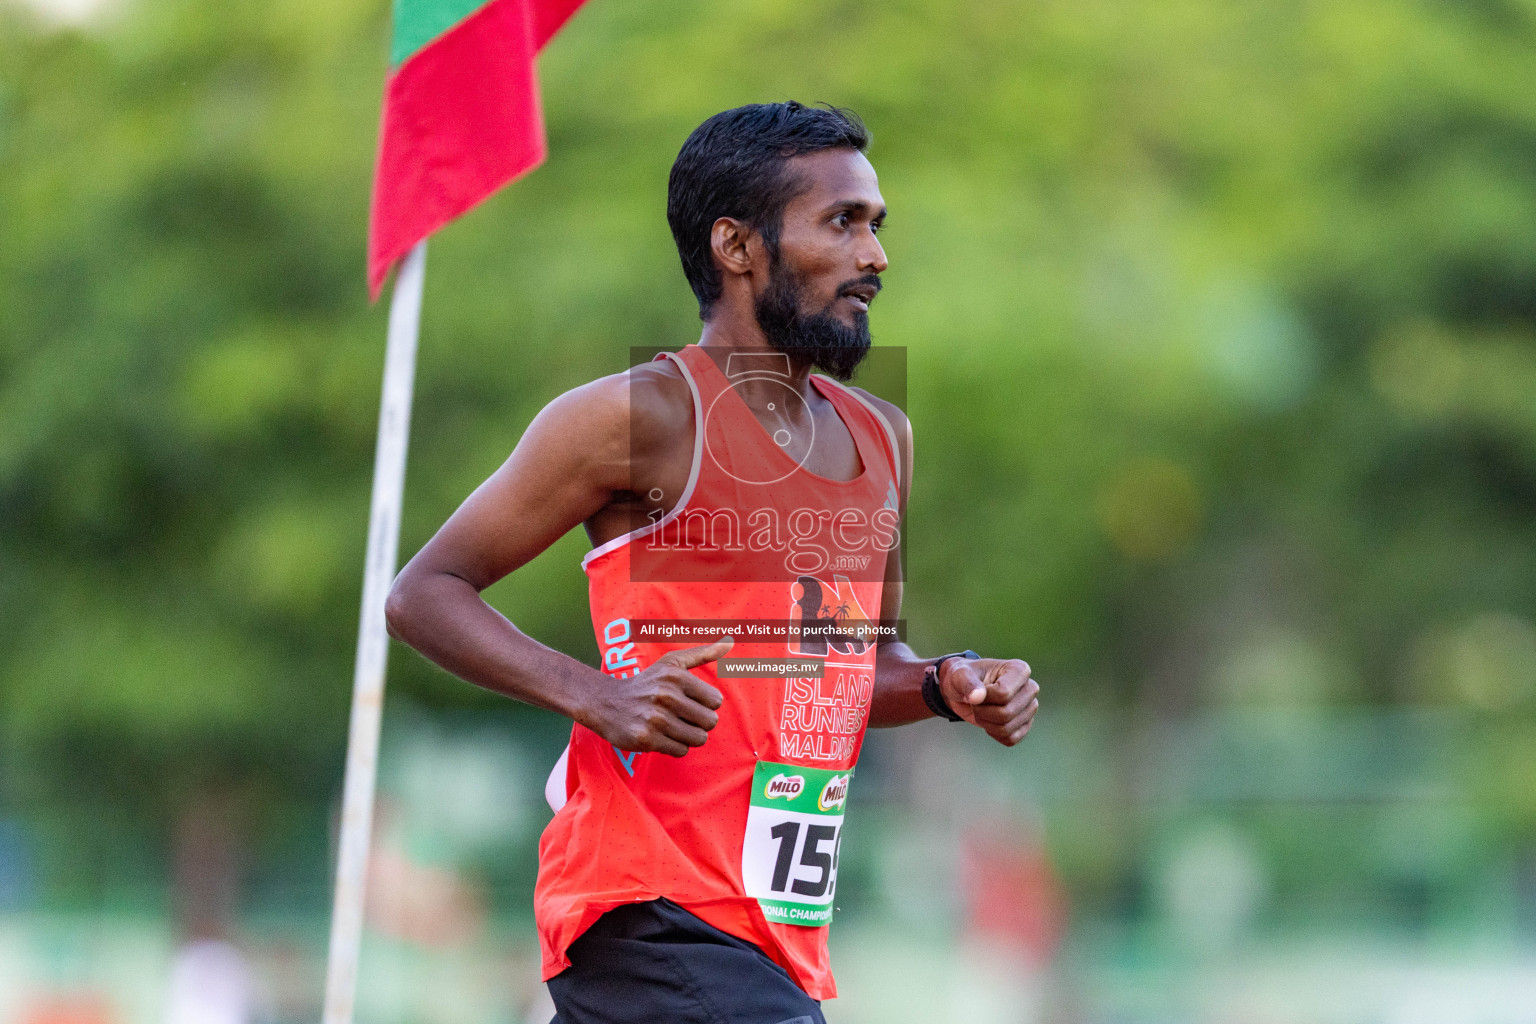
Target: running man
(690,869)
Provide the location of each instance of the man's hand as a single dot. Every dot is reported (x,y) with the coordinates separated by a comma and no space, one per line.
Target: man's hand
(665,708)
(992,693)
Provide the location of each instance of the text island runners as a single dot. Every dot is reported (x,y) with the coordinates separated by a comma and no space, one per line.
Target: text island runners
(690,869)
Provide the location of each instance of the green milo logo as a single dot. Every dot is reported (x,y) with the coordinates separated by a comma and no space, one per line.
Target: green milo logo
(800,788)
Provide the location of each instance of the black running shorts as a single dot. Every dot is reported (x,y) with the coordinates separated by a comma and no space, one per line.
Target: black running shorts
(655,963)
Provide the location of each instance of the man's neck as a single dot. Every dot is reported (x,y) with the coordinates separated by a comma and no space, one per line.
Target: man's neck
(726,334)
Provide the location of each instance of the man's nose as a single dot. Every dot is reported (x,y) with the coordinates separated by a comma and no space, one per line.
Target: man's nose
(872,256)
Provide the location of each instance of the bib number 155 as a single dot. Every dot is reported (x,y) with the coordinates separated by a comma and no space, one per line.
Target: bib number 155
(793,836)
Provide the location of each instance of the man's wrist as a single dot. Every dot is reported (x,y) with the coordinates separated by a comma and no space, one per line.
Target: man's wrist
(579,691)
(933,693)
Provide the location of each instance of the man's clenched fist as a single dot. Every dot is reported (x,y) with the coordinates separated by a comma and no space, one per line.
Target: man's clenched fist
(665,708)
(992,693)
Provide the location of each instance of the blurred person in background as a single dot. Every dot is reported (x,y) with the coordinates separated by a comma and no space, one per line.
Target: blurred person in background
(210,980)
(210,983)
(1014,914)
(689,872)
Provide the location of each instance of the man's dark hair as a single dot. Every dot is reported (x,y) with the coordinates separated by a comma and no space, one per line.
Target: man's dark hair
(735,165)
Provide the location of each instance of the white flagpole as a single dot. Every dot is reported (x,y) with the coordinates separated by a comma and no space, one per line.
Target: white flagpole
(372,640)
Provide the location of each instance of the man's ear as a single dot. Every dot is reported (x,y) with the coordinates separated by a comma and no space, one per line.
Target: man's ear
(728,239)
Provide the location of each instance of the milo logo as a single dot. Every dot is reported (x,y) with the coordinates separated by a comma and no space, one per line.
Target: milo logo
(833,793)
(786,786)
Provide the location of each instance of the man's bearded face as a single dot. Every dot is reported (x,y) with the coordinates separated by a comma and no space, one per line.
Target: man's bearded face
(819,338)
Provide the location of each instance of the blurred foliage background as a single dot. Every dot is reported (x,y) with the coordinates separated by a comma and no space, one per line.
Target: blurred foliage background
(1220,320)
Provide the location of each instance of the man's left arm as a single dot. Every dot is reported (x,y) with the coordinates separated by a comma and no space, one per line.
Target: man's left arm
(994,694)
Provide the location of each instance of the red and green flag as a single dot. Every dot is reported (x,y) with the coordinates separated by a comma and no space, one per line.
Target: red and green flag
(461,114)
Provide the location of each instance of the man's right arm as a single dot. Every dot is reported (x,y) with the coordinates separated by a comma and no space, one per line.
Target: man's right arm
(566,467)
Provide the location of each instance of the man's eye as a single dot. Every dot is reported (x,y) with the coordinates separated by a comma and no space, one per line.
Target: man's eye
(875,227)
(841,220)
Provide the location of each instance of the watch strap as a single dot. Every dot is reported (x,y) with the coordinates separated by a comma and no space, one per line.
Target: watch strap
(933,696)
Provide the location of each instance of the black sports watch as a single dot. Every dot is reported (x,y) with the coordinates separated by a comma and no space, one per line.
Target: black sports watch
(932,695)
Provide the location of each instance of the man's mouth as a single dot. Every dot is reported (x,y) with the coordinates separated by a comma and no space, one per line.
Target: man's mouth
(861,295)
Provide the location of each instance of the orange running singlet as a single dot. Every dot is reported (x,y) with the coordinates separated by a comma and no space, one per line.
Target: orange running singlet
(744,831)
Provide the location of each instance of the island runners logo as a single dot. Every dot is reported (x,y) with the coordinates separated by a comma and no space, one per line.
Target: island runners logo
(818,611)
(833,794)
(786,786)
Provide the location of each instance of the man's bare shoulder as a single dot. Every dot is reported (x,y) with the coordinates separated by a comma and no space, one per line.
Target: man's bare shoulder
(902,428)
(611,428)
(603,431)
(652,398)
(659,405)
(890,410)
